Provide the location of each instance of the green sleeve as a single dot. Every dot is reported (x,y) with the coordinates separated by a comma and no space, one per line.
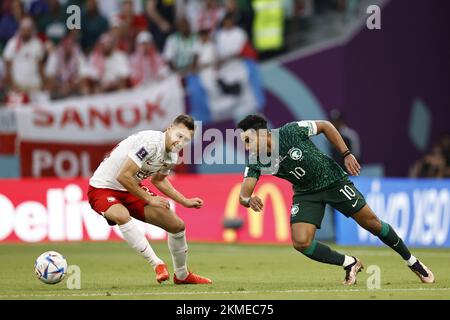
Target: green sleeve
(304,129)
(252,171)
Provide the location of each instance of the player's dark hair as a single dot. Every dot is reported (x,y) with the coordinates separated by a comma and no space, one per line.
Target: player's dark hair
(252,121)
(185,119)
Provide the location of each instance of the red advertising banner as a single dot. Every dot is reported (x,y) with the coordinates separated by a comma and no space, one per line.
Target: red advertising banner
(42,159)
(41,210)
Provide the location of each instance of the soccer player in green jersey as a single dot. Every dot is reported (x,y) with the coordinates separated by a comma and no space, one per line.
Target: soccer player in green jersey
(317,180)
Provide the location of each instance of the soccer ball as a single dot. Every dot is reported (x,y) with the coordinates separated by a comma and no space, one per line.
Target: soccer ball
(50,267)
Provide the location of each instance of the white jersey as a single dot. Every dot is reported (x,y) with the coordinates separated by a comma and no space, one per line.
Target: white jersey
(146,148)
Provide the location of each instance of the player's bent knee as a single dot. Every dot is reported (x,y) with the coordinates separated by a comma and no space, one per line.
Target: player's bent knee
(373,226)
(301,245)
(181,226)
(122,218)
(178,227)
(118,216)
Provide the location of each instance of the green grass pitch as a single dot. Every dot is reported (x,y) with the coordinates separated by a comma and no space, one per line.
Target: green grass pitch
(263,272)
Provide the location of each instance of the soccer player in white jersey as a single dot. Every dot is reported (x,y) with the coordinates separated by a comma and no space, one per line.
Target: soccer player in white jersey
(115,191)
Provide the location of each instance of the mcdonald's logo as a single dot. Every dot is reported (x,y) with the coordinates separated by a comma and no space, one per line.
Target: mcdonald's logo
(256,219)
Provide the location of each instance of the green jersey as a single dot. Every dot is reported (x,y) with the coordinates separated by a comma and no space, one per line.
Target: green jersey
(299,161)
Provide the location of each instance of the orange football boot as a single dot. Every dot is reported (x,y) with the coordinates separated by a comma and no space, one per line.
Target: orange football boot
(192,278)
(162,274)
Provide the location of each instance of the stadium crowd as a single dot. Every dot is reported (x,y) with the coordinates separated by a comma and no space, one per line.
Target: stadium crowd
(436,163)
(127,43)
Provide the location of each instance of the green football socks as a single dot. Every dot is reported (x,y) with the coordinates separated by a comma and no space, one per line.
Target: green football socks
(391,239)
(323,253)
(320,252)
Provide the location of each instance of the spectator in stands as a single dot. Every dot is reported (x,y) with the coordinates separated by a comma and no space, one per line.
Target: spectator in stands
(231,41)
(445,145)
(118,31)
(243,13)
(160,15)
(205,53)
(64,68)
(111,8)
(23,55)
(94,25)
(131,24)
(147,66)
(52,25)
(211,16)
(268,27)
(191,9)
(179,49)
(2,83)
(205,62)
(350,136)
(108,68)
(432,165)
(435,164)
(38,8)
(11,14)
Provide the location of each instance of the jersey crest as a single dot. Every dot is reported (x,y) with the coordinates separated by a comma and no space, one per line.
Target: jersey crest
(295,154)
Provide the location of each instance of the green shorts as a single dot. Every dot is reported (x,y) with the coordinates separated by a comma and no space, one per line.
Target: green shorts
(310,208)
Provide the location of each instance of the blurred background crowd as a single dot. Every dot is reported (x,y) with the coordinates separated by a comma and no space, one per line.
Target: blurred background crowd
(125,43)
(433,164)
(436,163)
(68,95)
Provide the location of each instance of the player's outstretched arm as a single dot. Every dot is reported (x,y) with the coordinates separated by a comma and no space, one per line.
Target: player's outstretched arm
(126,178)
(245,197)
(161,182)
(335,138)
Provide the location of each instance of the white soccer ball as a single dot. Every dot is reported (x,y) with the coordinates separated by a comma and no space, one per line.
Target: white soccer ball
(50,267)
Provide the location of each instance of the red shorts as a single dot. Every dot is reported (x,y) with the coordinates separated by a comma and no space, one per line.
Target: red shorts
(102,199)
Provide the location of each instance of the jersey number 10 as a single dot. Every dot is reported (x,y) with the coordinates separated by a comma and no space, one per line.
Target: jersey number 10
(348,192)
(298,172)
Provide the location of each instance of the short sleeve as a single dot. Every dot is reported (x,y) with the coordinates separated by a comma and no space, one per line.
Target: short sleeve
(307,128)
(40,50)
(122,66)
(141,153)
(252,172)
(82,64)
(197,49)
(86,68)
(8,53)
(169,49)
(51,66)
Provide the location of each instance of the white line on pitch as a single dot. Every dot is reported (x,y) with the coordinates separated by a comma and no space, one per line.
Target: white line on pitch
(381,253)
(220,292)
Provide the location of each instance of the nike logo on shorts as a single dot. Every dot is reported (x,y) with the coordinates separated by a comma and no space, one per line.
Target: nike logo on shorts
(354,205)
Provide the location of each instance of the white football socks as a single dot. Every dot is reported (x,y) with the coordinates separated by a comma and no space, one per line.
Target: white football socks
(138,242)
(348,261)
(178,249)
(411,261)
